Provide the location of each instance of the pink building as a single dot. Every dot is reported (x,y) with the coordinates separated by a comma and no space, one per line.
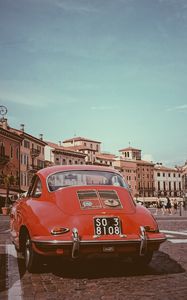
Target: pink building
(31,157)
(128,170)
(10,144)
(58,155)
(139,174)
(84,145)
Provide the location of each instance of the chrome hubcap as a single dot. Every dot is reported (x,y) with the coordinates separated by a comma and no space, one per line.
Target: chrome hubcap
(27,251)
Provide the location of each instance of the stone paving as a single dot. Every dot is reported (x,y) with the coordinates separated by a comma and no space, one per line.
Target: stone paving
(165,278)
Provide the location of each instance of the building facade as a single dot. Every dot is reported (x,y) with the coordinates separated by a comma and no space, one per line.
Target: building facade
(139,174)
(128,168)
(10,145)
(31,156)
(84,145)
(168,181)
(58,155)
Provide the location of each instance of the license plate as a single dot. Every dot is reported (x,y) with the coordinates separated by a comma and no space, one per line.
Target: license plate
(107,226)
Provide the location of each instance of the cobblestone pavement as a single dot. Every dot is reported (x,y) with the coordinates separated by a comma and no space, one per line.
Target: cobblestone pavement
(165,278)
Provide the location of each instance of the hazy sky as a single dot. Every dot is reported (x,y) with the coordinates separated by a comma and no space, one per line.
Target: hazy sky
(109,70)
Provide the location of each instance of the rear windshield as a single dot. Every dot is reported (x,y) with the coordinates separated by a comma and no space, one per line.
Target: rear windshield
(80,178)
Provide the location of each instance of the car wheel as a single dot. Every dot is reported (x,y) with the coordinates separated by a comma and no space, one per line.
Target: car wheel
(31,257)
(143,260)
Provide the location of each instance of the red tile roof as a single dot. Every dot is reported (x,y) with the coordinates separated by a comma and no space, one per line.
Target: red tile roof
(106,156)
(80,139)
(69,150)
(129,149)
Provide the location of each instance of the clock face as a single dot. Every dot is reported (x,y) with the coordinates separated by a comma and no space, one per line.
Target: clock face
(3,110)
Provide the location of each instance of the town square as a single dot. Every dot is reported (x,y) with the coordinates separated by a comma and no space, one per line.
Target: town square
(93,161)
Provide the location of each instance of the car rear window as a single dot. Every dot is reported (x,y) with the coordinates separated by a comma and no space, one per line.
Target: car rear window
(82,178)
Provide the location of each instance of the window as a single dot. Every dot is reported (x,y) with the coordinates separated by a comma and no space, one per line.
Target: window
(26,144)
(158,174)
(174,186)
(169,185)
(83,177)
(11,151)
(17,153)
(35,189)
(2,150)
(158,186)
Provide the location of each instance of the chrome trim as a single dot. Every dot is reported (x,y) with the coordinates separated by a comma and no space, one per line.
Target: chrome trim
(143,243)
(61,243)
(61,231)
(76,242)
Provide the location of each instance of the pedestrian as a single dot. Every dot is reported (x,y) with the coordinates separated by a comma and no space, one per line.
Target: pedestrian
(168,205)
(159,205)
(175,205)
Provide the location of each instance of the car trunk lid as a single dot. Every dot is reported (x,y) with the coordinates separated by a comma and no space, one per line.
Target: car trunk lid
(94,199)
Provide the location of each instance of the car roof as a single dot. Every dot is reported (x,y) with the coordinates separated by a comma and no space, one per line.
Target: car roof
(61,168)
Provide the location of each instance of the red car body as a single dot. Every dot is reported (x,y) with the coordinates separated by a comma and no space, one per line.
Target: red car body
(93,214)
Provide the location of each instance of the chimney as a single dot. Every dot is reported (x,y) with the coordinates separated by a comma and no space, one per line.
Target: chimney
(4,123)
(22,127)
(41,136)
(60,143)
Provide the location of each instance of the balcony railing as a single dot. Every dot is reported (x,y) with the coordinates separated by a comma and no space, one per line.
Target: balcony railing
(33,168)
(4,159)
(34,152)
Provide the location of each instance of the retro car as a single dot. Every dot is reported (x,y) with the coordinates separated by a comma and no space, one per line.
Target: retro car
(82,211)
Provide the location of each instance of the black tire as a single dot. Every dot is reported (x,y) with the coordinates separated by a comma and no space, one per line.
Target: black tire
(30,256)
(143,260)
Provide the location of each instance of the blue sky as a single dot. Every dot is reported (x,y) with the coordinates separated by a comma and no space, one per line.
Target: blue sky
(109,70)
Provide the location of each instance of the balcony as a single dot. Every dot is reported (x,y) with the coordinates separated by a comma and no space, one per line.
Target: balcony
(4,159)
(33,168)
(34,152)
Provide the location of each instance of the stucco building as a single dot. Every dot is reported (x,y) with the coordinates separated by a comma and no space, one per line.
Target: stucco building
(168,181)
(10,144)
(31,156)
(58,155)
(138,173)
(84,145)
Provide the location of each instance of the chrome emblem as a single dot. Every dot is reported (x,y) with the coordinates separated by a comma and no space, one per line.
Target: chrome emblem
(111,202)
(87,203)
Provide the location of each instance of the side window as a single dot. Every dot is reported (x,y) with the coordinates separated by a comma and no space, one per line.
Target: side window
(115,181)
(35,189)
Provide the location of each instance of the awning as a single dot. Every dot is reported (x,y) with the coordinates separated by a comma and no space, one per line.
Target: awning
(3,193)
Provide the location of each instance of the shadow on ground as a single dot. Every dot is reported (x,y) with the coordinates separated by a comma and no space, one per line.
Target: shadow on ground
(99,268)
(95,268)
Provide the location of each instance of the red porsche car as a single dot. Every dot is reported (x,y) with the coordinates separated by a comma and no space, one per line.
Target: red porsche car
(82,211)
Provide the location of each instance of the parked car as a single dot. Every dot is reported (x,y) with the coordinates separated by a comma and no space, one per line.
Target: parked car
(82,211)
